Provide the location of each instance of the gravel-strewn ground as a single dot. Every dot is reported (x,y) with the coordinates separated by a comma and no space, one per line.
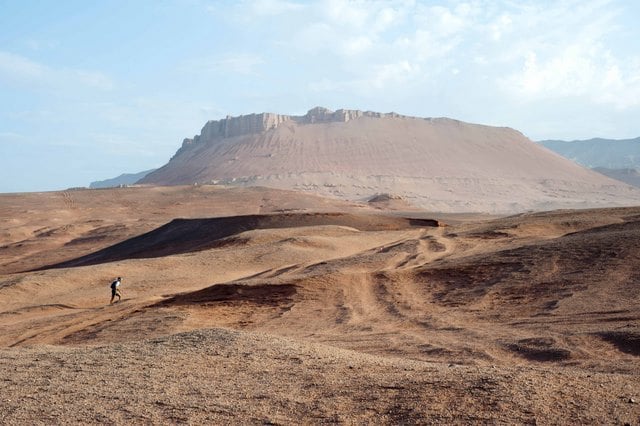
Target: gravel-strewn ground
(221,376)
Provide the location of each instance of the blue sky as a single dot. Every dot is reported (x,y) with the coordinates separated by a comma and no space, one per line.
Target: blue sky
(93,89)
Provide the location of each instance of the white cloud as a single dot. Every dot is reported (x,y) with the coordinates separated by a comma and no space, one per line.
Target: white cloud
(621,88)
(33,115)
(500,26)
(350,29)
(378,45)
(248,12)
(324,85)
(93,79)
(246,64)
(567,74)
(21,70)
(11,137)
(386,18)
(393,74)
(38,45)
(351,14)
(240,63)
(114,143)
(570,56)
(522,50)
(356,45)
(442,22)
(426,45)
(389,76)
(273,7)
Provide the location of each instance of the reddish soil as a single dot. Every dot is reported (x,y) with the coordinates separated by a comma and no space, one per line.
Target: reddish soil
(268,307)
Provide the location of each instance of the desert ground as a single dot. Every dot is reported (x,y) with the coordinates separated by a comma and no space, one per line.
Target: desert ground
(262,306)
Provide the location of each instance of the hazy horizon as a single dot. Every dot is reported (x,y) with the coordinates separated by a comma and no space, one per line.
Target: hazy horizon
(94,90)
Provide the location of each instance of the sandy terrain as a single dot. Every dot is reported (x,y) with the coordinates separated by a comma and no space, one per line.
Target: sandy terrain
(268,307)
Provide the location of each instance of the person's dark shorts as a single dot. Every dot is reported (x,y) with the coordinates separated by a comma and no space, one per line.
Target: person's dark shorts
(114,291)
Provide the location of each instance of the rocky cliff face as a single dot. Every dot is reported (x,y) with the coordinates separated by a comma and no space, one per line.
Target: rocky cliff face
(236,126)
(323,115)
(257,123)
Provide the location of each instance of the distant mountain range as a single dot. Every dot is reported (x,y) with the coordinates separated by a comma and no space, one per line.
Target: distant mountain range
(630,176)
(124,179)
(617,158)
(598,152)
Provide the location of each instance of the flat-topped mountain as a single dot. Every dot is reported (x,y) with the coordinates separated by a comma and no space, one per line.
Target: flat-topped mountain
(434,163)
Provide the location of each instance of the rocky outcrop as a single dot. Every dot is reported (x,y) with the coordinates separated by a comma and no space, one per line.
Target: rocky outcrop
(235,126)
(324,115)
(257,123)
(242,125)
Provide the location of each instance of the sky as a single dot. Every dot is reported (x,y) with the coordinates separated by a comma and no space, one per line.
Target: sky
(93,89)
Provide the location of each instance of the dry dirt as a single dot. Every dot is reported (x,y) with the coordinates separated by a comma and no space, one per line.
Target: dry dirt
(256,306)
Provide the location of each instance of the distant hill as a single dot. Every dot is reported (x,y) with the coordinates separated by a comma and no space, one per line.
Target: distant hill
(439,164)
(123,179)
(630,176)
(598,152)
